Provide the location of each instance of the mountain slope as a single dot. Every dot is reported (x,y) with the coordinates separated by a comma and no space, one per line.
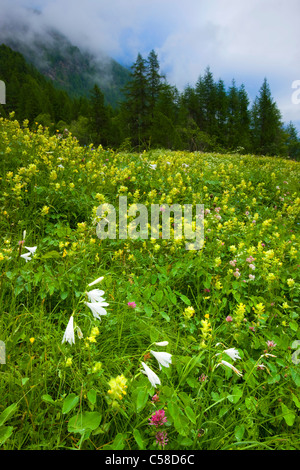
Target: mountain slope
(66,65)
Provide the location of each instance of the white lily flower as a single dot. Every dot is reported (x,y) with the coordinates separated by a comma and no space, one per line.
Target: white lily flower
(97,308)
(96,281)
(163,358)
(31,249)
(227,364)
(233,353)
(162,343)
(153,378)
(69,336)
(95,295)
(26,256)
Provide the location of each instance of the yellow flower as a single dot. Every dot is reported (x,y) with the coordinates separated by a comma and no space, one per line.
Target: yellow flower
(189,312)
(31,340)
(95,331)
(97,367)
(45,210)
(290,282)
(117,387)
(69,362)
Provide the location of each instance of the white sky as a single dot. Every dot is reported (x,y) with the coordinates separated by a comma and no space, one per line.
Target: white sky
(245,40)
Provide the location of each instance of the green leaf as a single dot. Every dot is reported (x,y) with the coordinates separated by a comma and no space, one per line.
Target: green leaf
(48,399)
(293,325)
(185,299)
(70,402)
(236,394)
(88,420)
(239,432)
(158,296)
(7,413)
(138,438)
(5,433)
(141,399)
(119,442)
(92,396)
(190,414)
(148,310)
(289,415)
(296,400)
(165,316)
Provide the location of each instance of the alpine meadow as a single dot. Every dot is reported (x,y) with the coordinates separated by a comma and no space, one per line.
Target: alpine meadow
(121,334)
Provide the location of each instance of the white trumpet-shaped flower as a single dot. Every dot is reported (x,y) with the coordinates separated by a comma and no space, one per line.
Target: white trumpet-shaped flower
(163,358)
(26,256)
(31,250)
(232,353)
(95,295)
(97,308)
(69,336)
(162,343)
(96,281)
(153,378)
(227,364)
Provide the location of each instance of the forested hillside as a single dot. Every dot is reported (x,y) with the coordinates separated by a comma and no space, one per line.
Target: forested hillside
(150,113)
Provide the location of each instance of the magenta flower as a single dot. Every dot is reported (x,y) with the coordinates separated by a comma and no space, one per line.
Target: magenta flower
(202,378)
(161,438)
(228,318)
(155,398)
(158,418)
(131,304)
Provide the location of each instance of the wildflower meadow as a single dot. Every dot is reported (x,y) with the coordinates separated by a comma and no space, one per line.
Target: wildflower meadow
(139,343)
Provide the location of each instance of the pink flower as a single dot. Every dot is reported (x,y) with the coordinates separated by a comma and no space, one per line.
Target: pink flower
(158,418)
(251,328)
(236,273)
(202,378)
(161,438)
(228,318)
(131,304)
(232,262)
(250,259)
(251,266)
(271,344)
(155,398)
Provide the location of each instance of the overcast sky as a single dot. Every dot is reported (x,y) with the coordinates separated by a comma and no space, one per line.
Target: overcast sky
(245,40)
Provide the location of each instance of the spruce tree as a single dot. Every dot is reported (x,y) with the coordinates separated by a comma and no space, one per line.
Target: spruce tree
(135,107)
(266,126)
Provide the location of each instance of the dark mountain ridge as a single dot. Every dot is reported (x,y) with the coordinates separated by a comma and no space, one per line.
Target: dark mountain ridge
(69,68)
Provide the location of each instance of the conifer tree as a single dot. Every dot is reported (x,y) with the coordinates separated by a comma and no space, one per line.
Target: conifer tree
(135,108)
(266,126)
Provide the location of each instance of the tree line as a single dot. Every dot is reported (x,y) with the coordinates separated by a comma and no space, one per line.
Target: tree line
(153,113)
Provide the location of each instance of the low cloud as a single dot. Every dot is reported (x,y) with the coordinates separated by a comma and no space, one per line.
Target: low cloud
(247,41)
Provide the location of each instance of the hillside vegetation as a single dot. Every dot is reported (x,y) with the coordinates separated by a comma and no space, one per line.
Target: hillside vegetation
(172,348)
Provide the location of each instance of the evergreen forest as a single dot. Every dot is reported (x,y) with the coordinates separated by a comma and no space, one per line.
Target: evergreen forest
(151,113)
